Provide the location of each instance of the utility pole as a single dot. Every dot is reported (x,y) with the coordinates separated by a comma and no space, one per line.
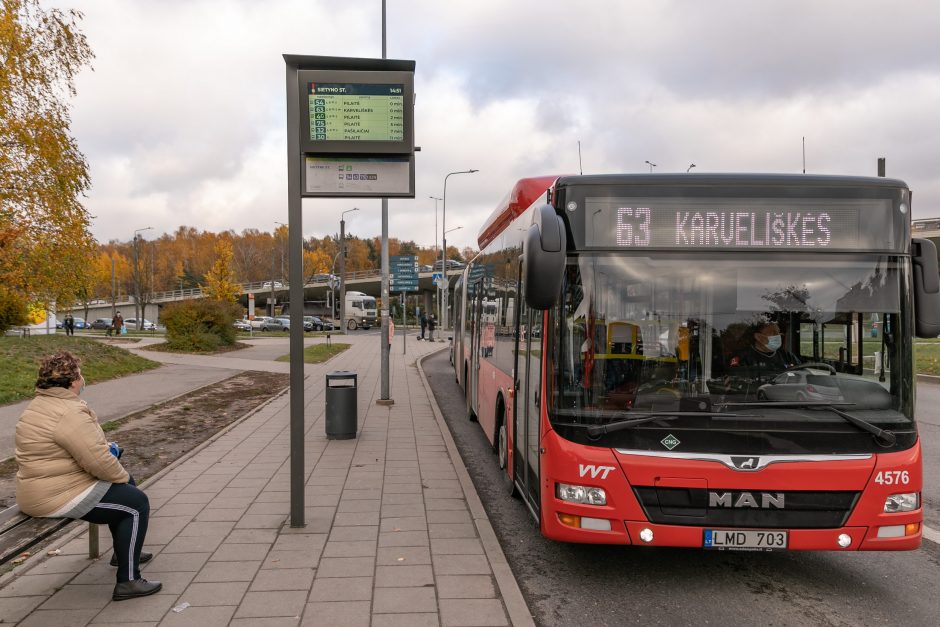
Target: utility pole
(113,289)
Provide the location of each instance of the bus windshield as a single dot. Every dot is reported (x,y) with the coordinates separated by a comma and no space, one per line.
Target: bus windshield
(761,350)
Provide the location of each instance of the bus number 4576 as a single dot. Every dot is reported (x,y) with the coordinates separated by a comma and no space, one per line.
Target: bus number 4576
(893,477)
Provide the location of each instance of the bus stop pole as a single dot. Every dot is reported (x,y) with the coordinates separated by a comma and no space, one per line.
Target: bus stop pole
(296,297)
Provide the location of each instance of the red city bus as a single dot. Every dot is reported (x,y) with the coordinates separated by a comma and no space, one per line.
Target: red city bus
(688,360)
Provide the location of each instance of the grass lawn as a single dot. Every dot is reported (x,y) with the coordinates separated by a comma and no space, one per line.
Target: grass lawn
(21,356)
(927,356)
(318,353)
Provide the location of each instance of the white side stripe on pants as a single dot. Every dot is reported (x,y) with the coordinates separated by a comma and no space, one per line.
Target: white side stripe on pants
(136,515)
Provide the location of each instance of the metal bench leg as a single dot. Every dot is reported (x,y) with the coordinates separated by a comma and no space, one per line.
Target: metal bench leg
(94,551)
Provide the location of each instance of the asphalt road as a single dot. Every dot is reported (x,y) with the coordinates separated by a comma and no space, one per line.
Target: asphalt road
(571,584)
(928,424)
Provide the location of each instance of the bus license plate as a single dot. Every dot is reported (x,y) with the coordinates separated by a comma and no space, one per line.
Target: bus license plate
(744,539)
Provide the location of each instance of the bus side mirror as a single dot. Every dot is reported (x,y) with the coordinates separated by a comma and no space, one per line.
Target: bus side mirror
(544,258)
(926,288)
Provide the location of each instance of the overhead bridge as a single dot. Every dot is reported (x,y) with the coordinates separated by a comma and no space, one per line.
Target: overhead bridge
(315,290)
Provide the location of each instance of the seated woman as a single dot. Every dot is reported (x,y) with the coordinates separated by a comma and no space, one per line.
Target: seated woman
(67,470)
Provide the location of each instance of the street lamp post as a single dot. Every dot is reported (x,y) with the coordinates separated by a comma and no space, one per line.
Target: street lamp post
(689,169)
(137,292)
(435,199)
(342,268)
(281,246)
(651,165)
(274,269)
(443,303)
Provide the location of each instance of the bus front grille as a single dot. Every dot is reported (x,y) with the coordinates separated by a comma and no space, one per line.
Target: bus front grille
(716,507)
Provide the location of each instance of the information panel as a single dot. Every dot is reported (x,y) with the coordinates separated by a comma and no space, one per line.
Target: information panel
(356,112)
(824,224)
(358,176)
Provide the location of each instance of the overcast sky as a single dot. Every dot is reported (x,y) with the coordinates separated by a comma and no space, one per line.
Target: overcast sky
(183,117)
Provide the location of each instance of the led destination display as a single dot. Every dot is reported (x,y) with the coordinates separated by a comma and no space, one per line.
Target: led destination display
(828,224)
(356,112)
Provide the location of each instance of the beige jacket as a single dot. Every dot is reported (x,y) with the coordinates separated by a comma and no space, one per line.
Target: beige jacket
(61,452)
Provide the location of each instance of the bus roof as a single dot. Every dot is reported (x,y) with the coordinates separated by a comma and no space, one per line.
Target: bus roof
(523,194)
(756,179)
(528,190)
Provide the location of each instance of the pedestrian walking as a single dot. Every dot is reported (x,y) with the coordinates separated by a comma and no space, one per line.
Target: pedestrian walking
(69,324)
(391,331)
(116,323)
(424,324)
(68,469)
(432,324)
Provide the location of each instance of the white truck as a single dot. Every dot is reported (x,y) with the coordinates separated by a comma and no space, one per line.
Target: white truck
(360,310)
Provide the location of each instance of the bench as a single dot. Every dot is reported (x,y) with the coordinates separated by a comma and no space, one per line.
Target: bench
(19,533)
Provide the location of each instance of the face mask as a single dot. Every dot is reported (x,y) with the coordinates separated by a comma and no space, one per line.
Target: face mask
(82,389)
(774,342)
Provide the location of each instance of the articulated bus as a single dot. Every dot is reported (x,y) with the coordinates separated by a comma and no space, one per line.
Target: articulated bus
(697,360)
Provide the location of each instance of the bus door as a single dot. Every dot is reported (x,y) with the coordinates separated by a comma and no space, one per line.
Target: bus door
(475,295)
(527,407)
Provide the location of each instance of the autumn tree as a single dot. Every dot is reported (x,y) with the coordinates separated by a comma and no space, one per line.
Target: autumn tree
(44,237)
(220,279)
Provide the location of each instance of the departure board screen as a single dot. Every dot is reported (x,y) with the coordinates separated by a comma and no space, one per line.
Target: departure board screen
(356,112)
(756,224)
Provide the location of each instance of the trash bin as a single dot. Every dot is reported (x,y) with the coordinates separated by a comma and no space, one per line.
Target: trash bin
(341,407)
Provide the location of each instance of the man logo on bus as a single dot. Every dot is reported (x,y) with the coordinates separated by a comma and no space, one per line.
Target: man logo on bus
(746,463)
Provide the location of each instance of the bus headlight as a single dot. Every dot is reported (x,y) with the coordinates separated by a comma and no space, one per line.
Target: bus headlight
(907,502)
(580,494)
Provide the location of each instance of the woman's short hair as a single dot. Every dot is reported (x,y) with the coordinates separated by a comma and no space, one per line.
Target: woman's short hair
(58,370)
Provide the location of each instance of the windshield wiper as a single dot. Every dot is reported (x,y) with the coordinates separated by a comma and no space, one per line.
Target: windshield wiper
(639,418)
(883,436)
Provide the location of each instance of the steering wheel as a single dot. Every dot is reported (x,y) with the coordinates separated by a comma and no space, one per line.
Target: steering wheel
(813,364)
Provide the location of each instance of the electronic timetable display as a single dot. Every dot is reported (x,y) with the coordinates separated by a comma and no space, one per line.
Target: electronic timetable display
(738,223)
(357,112)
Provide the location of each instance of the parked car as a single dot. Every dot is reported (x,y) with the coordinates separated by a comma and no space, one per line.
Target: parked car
(242,325)
(80,323)
(131,324)
(316,323)
(101,323)
(285,322)
(266,323)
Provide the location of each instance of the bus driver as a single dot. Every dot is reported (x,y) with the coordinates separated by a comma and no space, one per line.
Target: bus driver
(765,358)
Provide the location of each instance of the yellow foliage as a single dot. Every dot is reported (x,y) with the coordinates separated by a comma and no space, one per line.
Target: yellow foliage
(220,279)
(44,237)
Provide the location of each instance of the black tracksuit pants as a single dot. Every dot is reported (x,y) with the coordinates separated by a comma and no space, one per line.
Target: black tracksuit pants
(125,509)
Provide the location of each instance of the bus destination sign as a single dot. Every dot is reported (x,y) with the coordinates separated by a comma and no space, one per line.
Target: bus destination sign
(792,224)
(356,112)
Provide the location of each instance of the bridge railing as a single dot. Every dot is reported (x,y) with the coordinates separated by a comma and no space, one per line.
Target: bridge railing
(261,286)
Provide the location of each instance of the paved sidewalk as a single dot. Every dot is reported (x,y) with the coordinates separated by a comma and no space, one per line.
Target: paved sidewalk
(395,533)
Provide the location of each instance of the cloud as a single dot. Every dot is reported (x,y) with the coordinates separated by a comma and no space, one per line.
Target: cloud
(183,119)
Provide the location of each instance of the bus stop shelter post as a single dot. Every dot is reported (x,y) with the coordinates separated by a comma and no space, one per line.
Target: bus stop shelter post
(296,297)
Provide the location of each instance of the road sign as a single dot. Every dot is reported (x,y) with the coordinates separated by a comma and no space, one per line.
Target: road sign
(403,273)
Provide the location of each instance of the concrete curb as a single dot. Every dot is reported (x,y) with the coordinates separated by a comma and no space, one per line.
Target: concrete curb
(516,606)
(67,535)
